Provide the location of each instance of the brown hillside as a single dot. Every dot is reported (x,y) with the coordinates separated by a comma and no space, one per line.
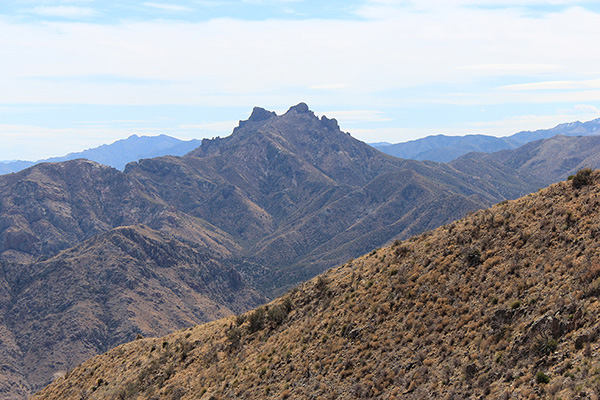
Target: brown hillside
(501,304)
(549,160)
(53,206)
(104,292)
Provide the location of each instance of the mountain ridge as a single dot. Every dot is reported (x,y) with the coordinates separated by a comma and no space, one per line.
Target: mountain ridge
(282,199)
(118,153)
(444,148)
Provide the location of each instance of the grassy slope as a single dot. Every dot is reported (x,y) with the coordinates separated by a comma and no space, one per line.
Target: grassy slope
(482,306)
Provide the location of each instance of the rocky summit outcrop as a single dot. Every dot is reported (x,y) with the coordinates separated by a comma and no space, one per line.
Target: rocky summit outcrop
(501,304)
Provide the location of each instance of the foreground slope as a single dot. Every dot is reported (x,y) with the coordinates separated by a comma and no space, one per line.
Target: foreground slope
(503,303)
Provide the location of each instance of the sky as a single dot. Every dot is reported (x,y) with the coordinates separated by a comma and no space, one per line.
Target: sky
(75,74)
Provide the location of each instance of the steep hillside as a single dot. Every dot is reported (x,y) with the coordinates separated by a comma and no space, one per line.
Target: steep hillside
(548,160)
(53,206)
(501,304)
(107,290)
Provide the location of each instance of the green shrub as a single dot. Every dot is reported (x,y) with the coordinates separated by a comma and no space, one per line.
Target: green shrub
(582,178)
(474,258)
(277,313)
(240,319)
(234,336)
(541,377)
(256,319)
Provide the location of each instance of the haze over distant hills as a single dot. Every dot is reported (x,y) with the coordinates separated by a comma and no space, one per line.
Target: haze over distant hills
(444,148)
(440,148)
(119,153)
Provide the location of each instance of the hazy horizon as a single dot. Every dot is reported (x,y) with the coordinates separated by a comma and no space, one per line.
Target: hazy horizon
(188,139)
(80,73)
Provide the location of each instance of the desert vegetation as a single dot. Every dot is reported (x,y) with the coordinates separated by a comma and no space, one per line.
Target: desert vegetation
(501,304)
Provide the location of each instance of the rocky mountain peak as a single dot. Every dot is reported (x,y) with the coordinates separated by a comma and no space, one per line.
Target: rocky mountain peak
(330,123)
(300,108)
(260,114)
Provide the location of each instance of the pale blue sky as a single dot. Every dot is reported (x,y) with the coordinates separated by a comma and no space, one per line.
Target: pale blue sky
(78,73)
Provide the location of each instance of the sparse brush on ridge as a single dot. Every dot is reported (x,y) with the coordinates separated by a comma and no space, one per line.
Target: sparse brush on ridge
(517,318)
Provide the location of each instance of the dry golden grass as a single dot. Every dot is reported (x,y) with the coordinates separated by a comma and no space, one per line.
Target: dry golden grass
(486,306)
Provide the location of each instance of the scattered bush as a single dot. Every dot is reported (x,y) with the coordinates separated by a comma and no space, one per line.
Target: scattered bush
(473,258)
(541,377)
(256,319)
(240,319)
(277,313)
(582,178)
(234,336)
(546,346)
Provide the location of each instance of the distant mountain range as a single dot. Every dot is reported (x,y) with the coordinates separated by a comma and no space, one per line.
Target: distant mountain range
(119,153)
(91,257)
(440,148)
(444,148)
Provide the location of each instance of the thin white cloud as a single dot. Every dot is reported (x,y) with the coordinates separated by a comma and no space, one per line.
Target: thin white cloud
(587,109)
(64,11)
(500,127)
(408,56)
(509,69)
(168,7)
(213,127)
(32,143)
(201,61)
(508,126)
(478,3)
(270,2)
(556,85)
(391,135)
(353,116)
(330,86)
